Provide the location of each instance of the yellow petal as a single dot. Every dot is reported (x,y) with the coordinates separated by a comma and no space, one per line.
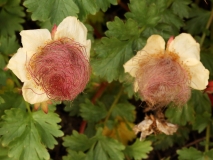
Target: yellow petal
(32,39)
(32,93)
(199,74)
(17,64)
(71,27)
(155,44)
(185,46)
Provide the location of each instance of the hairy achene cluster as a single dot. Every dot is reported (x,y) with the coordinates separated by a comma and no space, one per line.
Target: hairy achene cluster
(61,68)
(163,79)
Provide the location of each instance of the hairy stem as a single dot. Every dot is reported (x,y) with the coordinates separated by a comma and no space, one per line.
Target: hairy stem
(207,27)
(113,104)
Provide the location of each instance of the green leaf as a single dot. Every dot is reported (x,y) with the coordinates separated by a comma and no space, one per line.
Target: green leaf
(107,148)
(91,112)
(192,153)
(8,45)
(47,127)
(56,10)
(200,102)
(201,121)
(75,155)
(3,76)
(206,59)
(144,12)
(4,153)
(22,134)
(189,154)
(138,150)
(77,142)
(1,100)
(198,20)
(74,107)
(112,54)
(11,100)
(121,30)
(11,17)
(181,8)
(180,115)
(124,110)
(104,5)
(96,148)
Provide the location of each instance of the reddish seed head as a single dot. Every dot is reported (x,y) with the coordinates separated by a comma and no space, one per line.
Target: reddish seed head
(162,80)
(61,69)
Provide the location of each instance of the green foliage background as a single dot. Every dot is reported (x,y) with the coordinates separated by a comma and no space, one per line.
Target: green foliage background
(108,102)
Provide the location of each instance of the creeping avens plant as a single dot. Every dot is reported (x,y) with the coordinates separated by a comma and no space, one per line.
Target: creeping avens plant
(106,79)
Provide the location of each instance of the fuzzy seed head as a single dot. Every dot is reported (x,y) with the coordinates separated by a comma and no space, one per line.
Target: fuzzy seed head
(163,79)
(61,69)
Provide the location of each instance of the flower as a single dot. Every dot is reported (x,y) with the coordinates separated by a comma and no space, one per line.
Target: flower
(53,66)
(164,76)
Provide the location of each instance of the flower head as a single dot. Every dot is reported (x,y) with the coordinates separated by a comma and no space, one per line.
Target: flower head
(167,75)
(53,65)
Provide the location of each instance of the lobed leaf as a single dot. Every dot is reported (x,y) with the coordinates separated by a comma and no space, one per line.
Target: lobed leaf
(180,115)
(124,110)
(198,20)
(25,134)
(181,8)
(192,153)
(8,45)
(11,17)
(55,10)
(138,150)
(96,148)
(121,30)
(77,142)
(91,112)
(112,54)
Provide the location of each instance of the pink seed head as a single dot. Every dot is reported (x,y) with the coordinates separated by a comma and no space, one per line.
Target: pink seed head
(162,80)
(61,69)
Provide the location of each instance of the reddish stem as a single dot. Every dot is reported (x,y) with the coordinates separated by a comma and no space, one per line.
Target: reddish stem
(95,97)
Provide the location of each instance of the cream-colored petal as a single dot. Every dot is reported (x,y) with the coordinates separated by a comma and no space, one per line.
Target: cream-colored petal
(132,65)
(136,87)
(33,94)
(199,74)
(32,39)
(88,47)
(155,44)
(185,46)
(71,27)
(17,64)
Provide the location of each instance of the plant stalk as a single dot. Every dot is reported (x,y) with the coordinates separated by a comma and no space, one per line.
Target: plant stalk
(207,138)
(113,104)
(207,27)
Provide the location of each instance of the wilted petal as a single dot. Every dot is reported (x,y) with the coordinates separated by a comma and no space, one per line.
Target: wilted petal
(33,94)
(32,39)
(166,128)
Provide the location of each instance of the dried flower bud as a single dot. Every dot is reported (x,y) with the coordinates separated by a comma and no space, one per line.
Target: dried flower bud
(152,125)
